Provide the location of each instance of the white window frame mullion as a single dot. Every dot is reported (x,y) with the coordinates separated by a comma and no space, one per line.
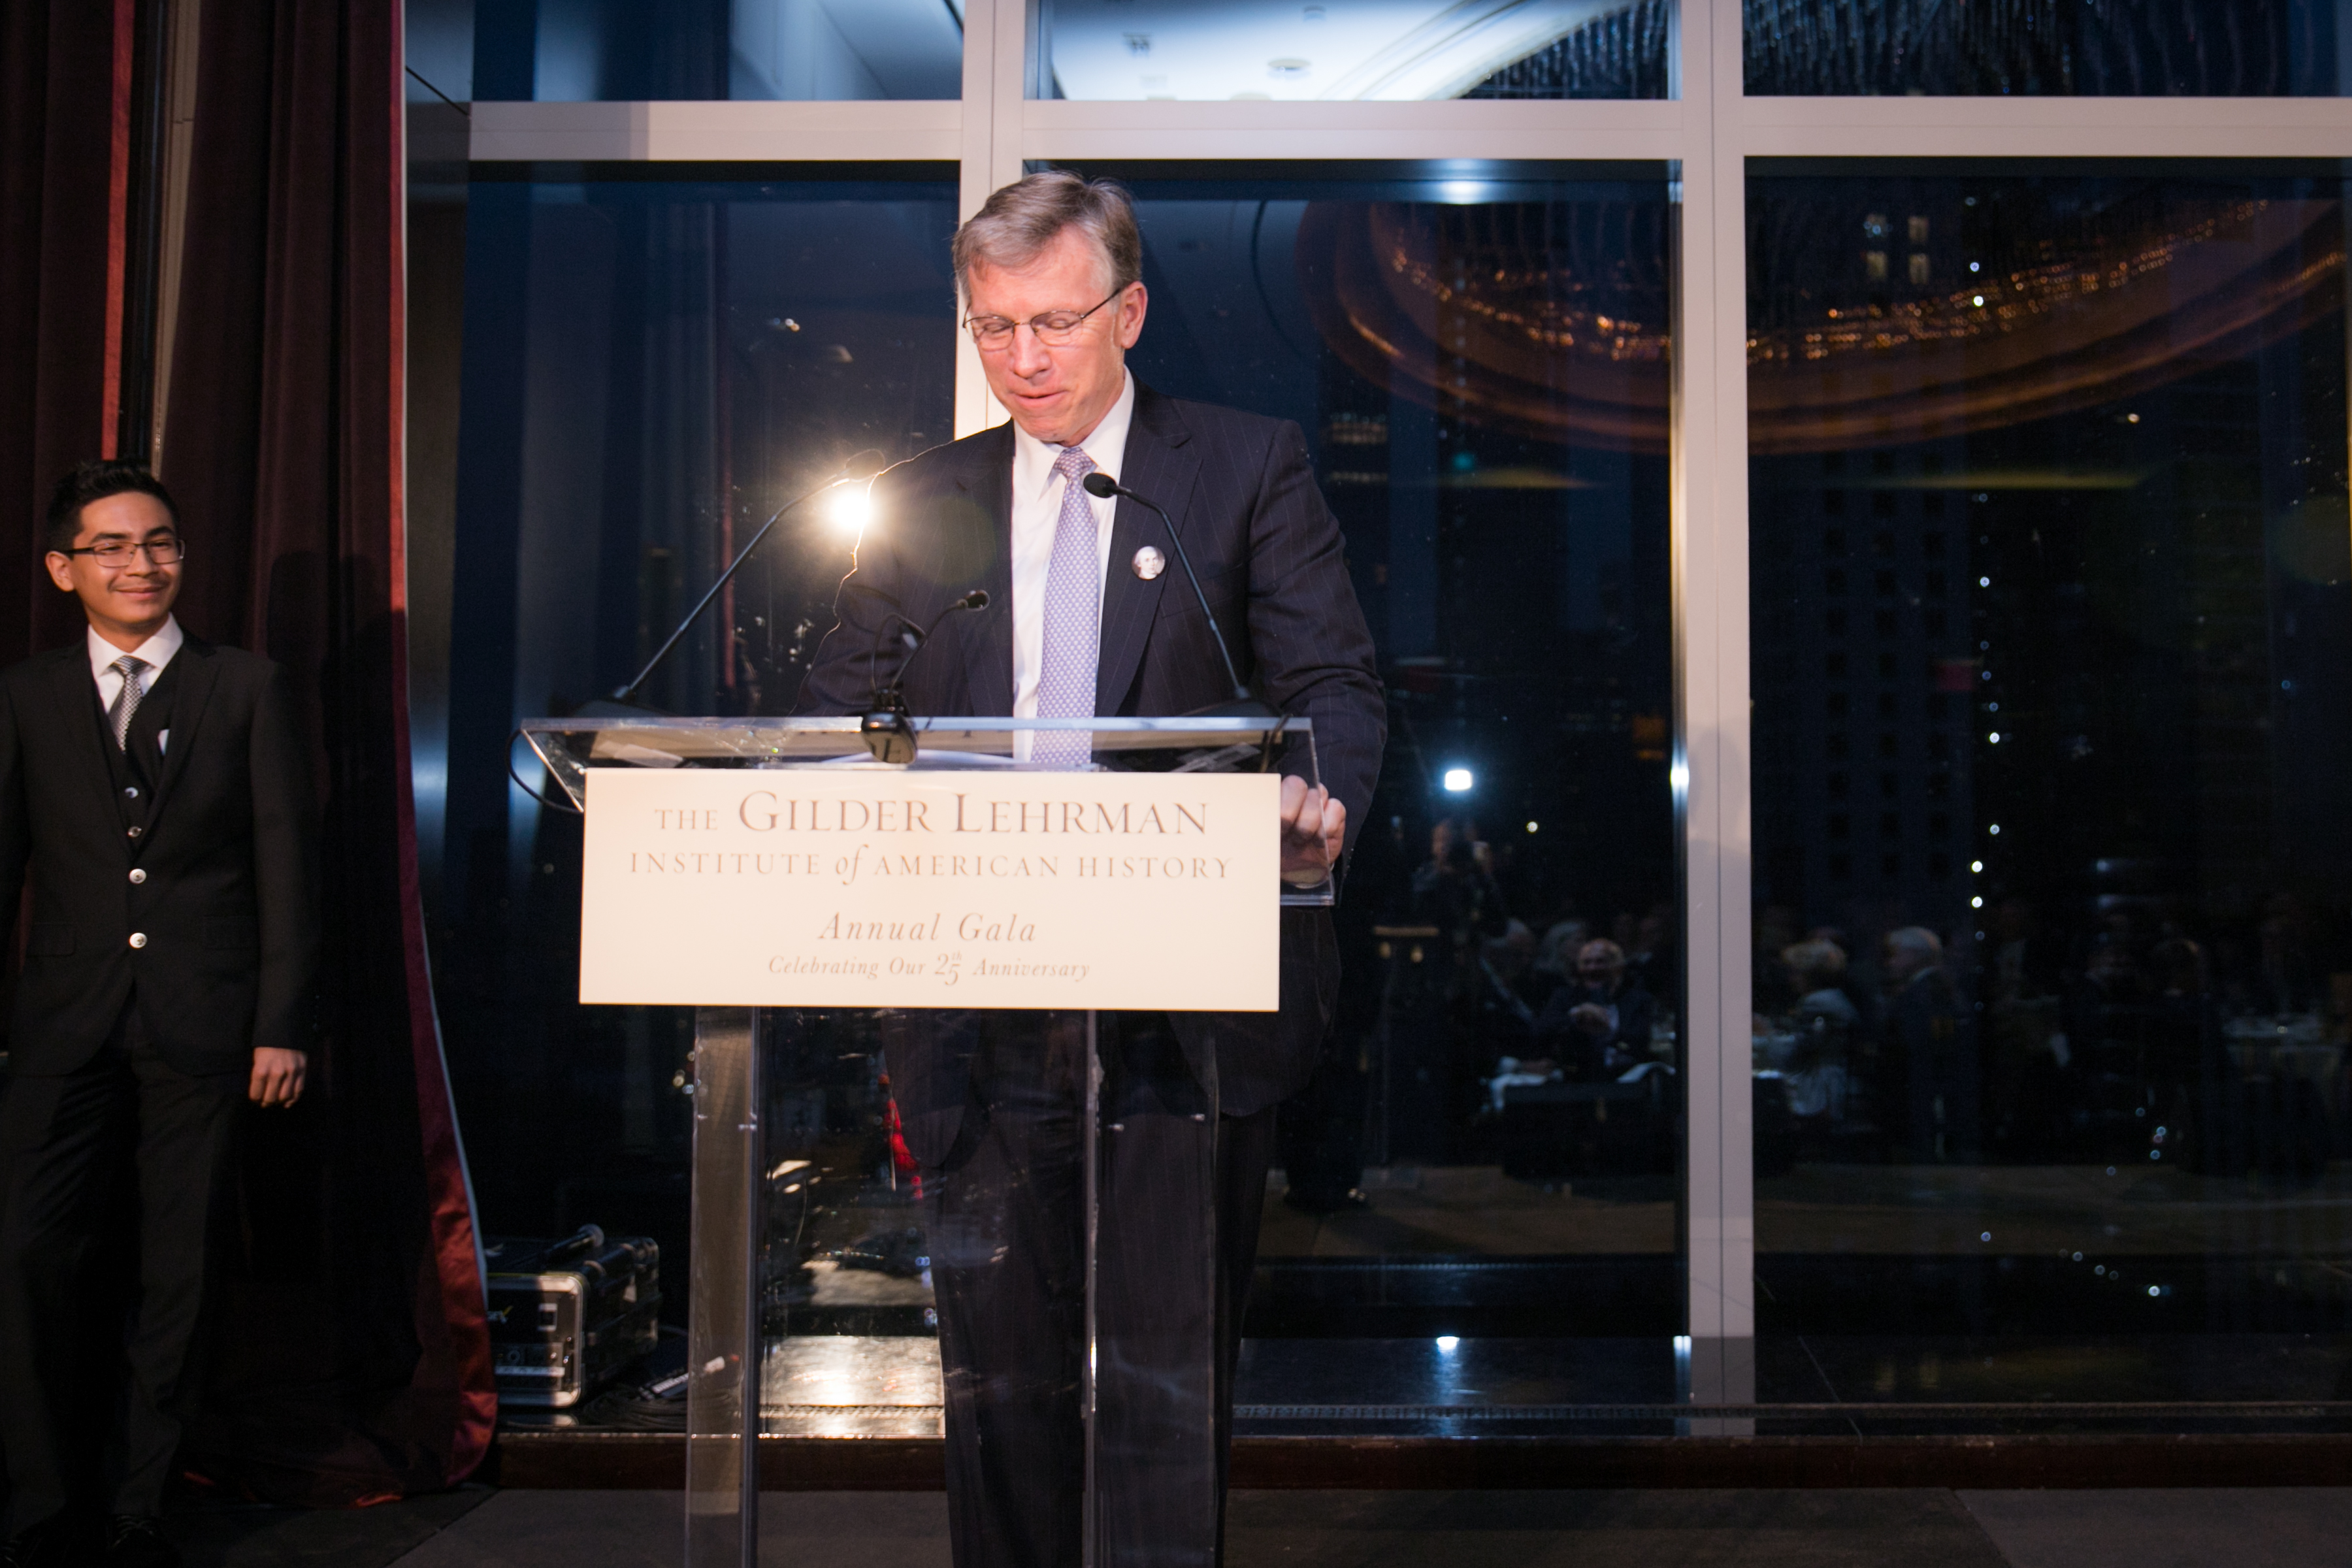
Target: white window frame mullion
(2102,128)
(1708,518)
(911,130)
(979,172)
(993,127)
(996,62)
(1255,131)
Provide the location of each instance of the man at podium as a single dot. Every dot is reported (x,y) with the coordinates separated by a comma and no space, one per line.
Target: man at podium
(1086,615)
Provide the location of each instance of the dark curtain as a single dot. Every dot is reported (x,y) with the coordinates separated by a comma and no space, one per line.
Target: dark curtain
(57,108)
(353,1361)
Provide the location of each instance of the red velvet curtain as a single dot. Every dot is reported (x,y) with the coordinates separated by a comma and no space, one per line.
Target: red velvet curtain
(351,1362)
(57,190)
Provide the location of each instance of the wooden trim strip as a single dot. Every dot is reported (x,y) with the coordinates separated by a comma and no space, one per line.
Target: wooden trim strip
(580,1460)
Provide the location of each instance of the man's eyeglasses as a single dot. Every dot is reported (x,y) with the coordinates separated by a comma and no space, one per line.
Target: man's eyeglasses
(163,551)
(1053,329)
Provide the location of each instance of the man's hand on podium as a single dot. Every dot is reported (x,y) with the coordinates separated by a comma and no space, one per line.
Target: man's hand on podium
(1314,828)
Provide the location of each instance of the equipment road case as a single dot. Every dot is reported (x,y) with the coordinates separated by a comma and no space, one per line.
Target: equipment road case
(566,1316)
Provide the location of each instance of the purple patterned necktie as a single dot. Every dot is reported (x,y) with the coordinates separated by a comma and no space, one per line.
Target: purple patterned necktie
(1066,675)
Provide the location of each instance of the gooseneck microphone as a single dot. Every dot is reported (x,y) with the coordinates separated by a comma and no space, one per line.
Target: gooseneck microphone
(915,637)
(862,465)
(1243,705)
(888,728)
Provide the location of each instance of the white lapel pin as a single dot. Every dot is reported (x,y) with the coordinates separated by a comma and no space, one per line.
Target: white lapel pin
(1149,563)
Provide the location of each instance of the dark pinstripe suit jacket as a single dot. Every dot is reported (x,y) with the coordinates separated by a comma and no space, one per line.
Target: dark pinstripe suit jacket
(1271,560)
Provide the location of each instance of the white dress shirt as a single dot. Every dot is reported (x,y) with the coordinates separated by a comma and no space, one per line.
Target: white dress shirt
(1036,514)
(155,652)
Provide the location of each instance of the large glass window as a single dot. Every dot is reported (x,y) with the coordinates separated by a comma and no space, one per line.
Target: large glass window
(1481,1181)
(2052,676)
(1483,1177)
(651,368)
(566,51)
(2056,48)
(2050,575)
(1394,50)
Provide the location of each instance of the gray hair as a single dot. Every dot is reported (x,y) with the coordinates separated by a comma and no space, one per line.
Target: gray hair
(1022,219)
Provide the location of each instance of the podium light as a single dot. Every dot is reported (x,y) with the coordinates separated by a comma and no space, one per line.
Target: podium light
(1457,781)
(851,508)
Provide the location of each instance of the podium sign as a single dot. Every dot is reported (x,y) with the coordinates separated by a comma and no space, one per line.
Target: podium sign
(884,888)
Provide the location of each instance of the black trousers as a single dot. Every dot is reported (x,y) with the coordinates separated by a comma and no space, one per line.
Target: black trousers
(1180,1190)
(71,1148)
(1319,1134)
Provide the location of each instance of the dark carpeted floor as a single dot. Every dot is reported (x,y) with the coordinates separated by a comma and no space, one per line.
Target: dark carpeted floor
(1604,1529)
(477,1528)
(2239,1527)
(243,1536)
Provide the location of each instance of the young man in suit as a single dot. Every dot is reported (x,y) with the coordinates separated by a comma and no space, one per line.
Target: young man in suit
(155,788)
(1086,616)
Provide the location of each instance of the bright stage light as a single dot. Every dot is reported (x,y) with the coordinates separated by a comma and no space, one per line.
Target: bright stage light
(851,507)
(1457,781)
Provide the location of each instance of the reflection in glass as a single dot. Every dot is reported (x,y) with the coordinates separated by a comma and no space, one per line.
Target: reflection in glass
(846,1314)
(1489,1148)
(2057,48)
(566,51)
(1342,50)
(1488,1153)
(651,368)
(2052,620)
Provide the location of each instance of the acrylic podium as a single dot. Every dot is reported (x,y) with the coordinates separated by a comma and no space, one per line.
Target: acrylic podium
(811,1313)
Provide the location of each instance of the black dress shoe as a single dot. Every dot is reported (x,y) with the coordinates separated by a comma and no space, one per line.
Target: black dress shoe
(137,1541)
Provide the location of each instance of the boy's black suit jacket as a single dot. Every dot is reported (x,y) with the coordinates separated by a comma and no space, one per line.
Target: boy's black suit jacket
(1273,565)
(227,900)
